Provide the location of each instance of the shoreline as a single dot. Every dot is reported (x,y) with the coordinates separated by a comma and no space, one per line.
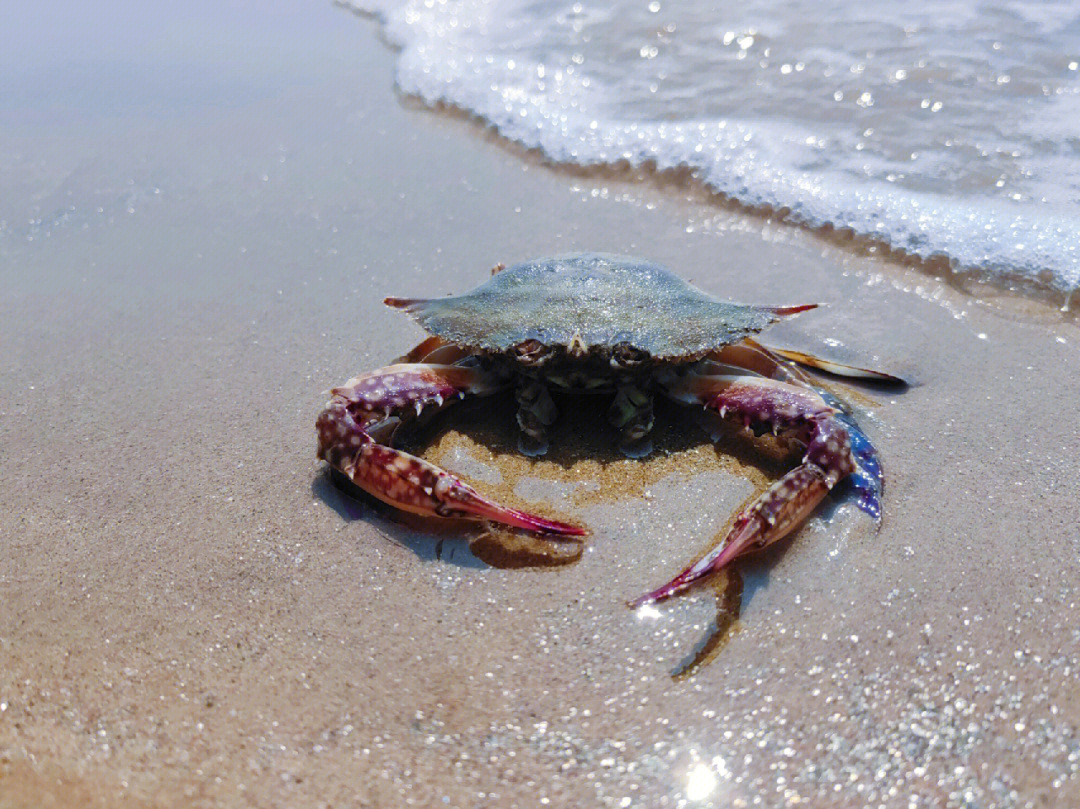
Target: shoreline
(1010,292)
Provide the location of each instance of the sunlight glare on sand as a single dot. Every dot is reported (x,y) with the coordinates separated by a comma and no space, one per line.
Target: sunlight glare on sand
(700,783)
(647,611)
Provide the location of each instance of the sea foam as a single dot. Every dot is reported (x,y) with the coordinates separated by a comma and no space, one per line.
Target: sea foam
(953,132)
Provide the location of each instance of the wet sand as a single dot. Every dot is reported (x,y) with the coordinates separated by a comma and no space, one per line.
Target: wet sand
(192,614)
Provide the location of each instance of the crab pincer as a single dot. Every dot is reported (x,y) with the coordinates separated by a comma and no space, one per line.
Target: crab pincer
(788,409)
(355,427)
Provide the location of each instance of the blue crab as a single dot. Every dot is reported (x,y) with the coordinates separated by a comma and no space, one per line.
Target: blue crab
(592,323)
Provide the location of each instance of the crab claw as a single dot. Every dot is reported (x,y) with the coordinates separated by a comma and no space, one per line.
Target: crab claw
(788,502)
(356,413)
(413,484)
(771,517)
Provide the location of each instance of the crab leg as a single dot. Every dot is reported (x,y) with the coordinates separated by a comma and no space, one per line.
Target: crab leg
(751,356)
(783,506)
(362,410)
(434,351)
(836,368)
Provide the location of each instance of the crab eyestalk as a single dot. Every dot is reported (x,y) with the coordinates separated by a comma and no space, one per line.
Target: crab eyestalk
(347,430)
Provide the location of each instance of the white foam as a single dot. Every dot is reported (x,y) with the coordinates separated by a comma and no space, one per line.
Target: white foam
(951,132)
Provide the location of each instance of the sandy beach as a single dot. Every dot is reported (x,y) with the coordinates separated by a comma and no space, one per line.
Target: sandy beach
(192,614)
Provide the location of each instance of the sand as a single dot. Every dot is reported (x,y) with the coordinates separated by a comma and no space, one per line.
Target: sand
(192,614)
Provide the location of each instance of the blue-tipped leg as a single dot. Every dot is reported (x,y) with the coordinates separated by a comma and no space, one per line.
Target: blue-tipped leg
(867,480)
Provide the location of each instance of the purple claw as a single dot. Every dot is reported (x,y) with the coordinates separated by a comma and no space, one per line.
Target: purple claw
(348,442)
(831,456)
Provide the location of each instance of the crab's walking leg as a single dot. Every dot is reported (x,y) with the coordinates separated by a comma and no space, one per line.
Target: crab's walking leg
(794,410)
(836,368)
(361,410)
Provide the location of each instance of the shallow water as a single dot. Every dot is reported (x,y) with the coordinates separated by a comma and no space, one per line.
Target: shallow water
(948,132)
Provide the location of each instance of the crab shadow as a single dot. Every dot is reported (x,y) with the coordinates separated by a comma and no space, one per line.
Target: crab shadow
(581,433)
(429,540)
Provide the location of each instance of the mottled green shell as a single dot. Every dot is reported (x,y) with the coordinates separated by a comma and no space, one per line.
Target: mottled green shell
(597,299)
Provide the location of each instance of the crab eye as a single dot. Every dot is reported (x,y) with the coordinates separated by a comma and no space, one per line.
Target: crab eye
(625,355)
(531,352)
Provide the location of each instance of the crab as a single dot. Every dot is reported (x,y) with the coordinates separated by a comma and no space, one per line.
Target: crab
(627,328)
